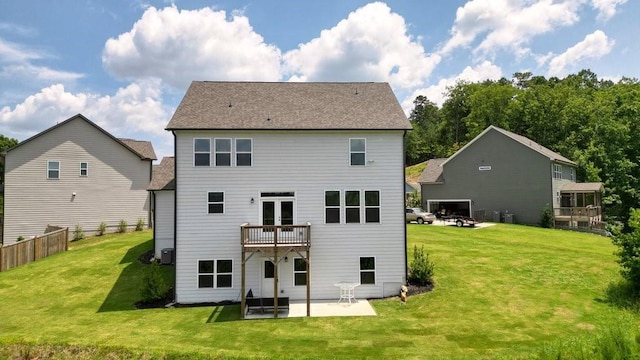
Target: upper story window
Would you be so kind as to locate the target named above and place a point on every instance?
(215, 202)
(222, 152)
(372, 206)
(244, 152)
(557, 171)
(357, 152)
(332, 207)
(201, 152)
(53, 169)
(352, 206)
(84, 169)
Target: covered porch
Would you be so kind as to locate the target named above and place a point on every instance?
(276, 243)
(581, 205)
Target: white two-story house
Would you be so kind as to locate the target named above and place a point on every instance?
(286, 189)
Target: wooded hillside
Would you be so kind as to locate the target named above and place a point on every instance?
(592, 121)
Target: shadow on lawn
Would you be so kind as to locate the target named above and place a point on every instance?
(620, 294)
(223, 313)
(126, 290)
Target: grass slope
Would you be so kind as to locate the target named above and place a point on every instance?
(413, 172)
(501, 291)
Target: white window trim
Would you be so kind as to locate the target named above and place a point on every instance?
(236, 152)
(364, 206)
(216, 152)
(86, 169)
(375, 271)
(358, 152)
(59, 169)
(360, 206)
(557, 169)
(214, 274)
(293, 266)
(224, 207)
(340, 206)
(201, 152)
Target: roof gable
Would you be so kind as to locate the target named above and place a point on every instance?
(163, 175)
(432, 173)
(289, 106)
(551, 155)
(142, 149)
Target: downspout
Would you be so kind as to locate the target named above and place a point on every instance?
(404, 181)
(175, 218)
(152, 194)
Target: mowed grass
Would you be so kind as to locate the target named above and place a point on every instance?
(503, 291)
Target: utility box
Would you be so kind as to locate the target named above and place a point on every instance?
(497, 216)
(166, 256)
(509, 218)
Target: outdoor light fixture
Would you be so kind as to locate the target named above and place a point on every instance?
(252, 201)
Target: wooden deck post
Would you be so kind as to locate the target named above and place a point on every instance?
(275, 272)
(243, 271)
(308, 275)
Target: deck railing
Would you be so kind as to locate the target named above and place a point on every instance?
(299, 235)
(588, 212)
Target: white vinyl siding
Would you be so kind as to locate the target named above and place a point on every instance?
(32, 201)
(164, 219)
(318, 165)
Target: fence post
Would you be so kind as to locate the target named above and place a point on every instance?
(66, 239)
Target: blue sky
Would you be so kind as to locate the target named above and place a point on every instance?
(126, 64)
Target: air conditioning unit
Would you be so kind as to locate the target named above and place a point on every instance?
(166, 256)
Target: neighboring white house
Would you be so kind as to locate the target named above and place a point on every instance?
(162, 188)
(317, 168)
(75, 173)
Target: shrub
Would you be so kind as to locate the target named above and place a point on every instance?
(421, 268)
(140, 224)
(20, 238)
(413, 200)
(547, 220)
(122, 226)
(629, 251)
(78, 234)
(154, 286)
(102, 228)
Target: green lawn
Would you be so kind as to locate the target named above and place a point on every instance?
(502, 291)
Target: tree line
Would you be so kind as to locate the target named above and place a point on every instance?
(594, 122)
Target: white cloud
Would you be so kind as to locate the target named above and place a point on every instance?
(508, 24)
(593, 46)
(28, 72)
(372, 44)
(178, 46)
(437, 93)
(10, 52)
(606, 8)
(135, 111)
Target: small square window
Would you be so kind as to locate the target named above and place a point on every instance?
(215, 202)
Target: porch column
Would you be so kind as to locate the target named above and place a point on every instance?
(243, 271)
(275, 272)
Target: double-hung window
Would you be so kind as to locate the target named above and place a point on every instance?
(53, 169)
(215, 202)
(215, 273)
(222, 152)
(557, 171)
(372, 206)
(367, 270)
(84, 169)
(201, 152)
(357, 152)
(332, 207)
(352, 206)
(244, 152)
(299, 272)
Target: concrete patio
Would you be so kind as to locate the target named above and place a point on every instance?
(319, 308)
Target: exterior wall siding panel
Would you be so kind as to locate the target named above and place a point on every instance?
(306, 163)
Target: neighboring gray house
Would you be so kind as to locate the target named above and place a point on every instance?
(75, 173)
(508, 177)
(288, 189)
(162, 188)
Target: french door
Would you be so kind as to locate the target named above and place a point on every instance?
(278, 211)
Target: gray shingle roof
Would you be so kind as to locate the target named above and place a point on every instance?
(163, 177)
(144, 148)
(432, 173)
(289, 105)
(583, 187)
(535, 146)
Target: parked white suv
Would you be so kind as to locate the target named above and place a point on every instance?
(420, 216)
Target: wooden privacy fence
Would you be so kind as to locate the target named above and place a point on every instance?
(26, 251)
